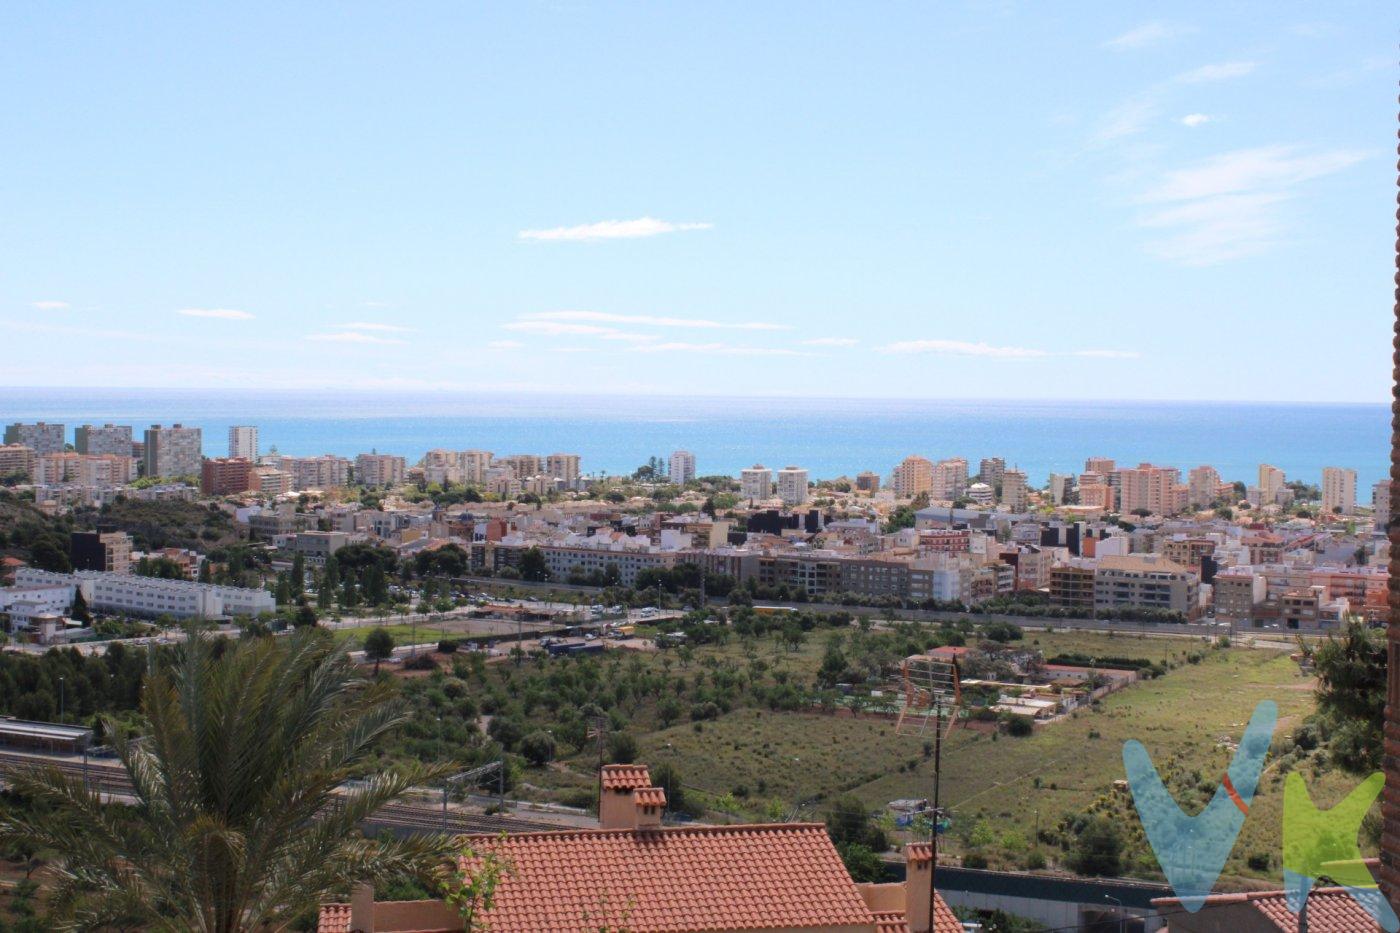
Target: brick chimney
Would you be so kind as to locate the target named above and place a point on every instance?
(918, 886)
(616, 807)
(362, 909)
(648, 804)
(1390, 802)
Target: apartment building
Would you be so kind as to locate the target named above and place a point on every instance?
(379, 470)
(42, 438)
(324, 472)
(105, 551)
(243, 442)
(113, 439)
(1105, 466)
(990, 471)
(1338, 491)
(1072, 586)
(316, 546)
(84, 470)
(270, 482)
(912, 477)
(17, 460)
(565, 468)
(1146, 581)
(1202, 486)
(523, 464)
(949, 479)
(563, 561)
(868, 482)
(1015, 494)
(756, 482)
(1380, 504)
(147, 596)
(681, 469)
(173, 451)
(1152, 489)
(1237, 592)
(1271, 484)
(223, 476)
(1061, 488)
(792, 485)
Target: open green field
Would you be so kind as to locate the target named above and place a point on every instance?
(403, 634)
(756, 763)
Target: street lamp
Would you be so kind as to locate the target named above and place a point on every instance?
(61, 698)
(1122, 919)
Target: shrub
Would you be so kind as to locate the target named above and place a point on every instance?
(1019, 726)
(448, 646)
(974, 860)
(1259, 861)
(537, 747)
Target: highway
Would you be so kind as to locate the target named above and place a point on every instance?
(109, 778)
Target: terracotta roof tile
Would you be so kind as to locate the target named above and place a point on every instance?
(944, 920)
(625, 777)
(1330, 910)
(335, 918)
(649, 797)
(892, 922)
(918, 852)
(675, 879)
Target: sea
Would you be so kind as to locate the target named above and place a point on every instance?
(830, 437)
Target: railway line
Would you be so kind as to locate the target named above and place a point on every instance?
(101, 775)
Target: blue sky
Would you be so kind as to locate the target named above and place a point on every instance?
(1127, 200)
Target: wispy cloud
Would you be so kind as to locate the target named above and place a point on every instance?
(723, 349)
(558, 328)
(963, 348)
(352, 337)
(1127, 119)
(1222, 71)
(613, 230)
(990, 351)
(831, 342)
(1195, 119)
(1147, 34)
(1250, 170)
(225, 314)
(369, 325)
(651, 320)
(1231, 206)
(51, 305)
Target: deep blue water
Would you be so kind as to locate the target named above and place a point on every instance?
(827, 436)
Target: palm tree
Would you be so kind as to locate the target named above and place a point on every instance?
(238, 820)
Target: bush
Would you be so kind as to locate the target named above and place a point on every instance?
(421, 662)
(1259, 861)
(537, 747)
(448, 646)
(974, 860)
(1019, 726)
(1035, 861)
(1098, 850)
(622, 748)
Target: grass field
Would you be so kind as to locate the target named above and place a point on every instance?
(761, 764)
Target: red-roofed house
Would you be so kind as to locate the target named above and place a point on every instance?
(1330, 910)
(635, 874)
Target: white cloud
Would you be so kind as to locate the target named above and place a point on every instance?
(651, 320)
(1243, 170)
(1232, 206)
(1127, 119)
(831, 342)
(1195, 119)
(385, 328)
(226, 314)
(52, 305)
(979, 349)
(1147, 34)
(962, 348)
(351, 337)
(1108, 354)
(723, 349)
(1221, 71)
(504, 345)
(558, 328)
(612, 230)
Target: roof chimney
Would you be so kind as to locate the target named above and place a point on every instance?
(616, 808)
(362, 909)
(918, 887)
(648, 802)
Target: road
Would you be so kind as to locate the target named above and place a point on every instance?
(111, 779)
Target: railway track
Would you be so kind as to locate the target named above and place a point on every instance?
(401, 816)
